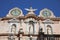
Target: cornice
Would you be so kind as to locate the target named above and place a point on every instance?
(31, 16)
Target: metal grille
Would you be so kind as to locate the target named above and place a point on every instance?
(48, 37)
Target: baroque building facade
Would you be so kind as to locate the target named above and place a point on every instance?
(17, 26)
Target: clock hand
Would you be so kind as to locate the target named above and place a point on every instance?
(15, 11)
(46, 14)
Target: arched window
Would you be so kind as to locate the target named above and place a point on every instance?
(31, 27)
(49, 29)
(13, 31)
(13, 28)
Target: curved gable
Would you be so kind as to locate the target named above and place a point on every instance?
(46, 13)
(15, 12)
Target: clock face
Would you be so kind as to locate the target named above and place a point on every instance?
(15, 12)
(46, 13)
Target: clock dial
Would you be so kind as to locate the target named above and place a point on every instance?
(15, 12)
(46, 13)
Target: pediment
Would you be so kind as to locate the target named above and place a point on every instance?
(48, 21)
(30, 19)
(14, 20)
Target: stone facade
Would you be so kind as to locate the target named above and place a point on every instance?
(17, 26)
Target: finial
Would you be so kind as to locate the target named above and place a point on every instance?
(31, 9)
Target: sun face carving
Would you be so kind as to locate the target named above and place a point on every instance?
(15, 12)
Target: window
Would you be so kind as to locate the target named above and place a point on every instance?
(34, 38)
(11, 38)
(31, 27)
(30, 37)
(49, 29)
(27, 38)
(13, 31)
(13, 28)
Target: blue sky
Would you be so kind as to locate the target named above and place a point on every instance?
(6, 5)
